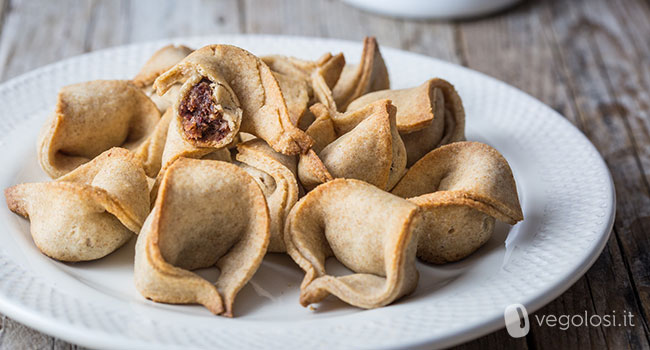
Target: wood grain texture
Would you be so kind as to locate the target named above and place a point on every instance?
(587, 59)
(533, 59)
(31, 27)
(605, 107)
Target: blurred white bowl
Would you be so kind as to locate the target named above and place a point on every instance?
(441, 9)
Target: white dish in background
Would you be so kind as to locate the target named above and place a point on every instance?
(432, 9)
(564, 186)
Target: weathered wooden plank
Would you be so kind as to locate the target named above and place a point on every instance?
(580, 34)
(282, 17)
(435, 39)
(120, 22)
(154, 19)
(343, 21)
(528, 59)
(16, 336)
(496, 340)
(513, 48)
(613, 292)
(633, 17)
(626, 67)
(605, 290)
(30, 29)
(624, 50)
(108, 24)
(4, 9)
(323, 18)
(625, 60)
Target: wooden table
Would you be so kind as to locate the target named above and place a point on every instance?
(588, 59)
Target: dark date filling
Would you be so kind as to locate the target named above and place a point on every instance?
(201, 119)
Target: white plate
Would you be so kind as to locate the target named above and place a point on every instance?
(565, 189)
(425, 9)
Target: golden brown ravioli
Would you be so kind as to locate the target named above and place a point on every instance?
(276, 175)
(160, 62)
(91, 118)
(207, 213)
(368, 230)
(356, 80)
(88, 213)
(305, 82)
(226, 88)
(461, 188)
(363, 144)
(428, 116)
